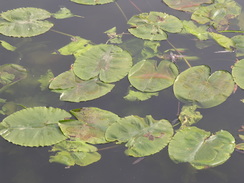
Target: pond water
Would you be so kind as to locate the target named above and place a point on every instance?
(30, 165)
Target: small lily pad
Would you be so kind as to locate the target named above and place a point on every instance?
(37, 126)
(141, 96)
(238, 73)
(74, 89)
(25, 22)
(92, 2)
(7, 46)
(143, 137)
(110, 63)
(146, 76)
(196, 86)
(154, 25)
(200, 148)
(222, 40)
(239, 45)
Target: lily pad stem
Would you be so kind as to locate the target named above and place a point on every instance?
(120, 9)
(59, 32)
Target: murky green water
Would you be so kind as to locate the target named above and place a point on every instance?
(30, 165)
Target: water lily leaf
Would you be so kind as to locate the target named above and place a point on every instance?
(200, 32)
(222, 40)
(153, 25)
(188, 115)
(186, 5)
(25, 22)
(92, 124)
(76, 47)
(74, 89)
(10, 74)
(239, 45)
(137, 95)
(143, 136)
(196, 86)
(45, 79)
(7, 46)
(217, 14)
(200, 148)
(110, 63)
(146, 76)
(74, 152)
(63, 13)
(37, 126)
(92, 2)
(240, 146)
(238, 73)
(113, 36)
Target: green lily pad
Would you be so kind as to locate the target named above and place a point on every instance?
(7, 46)
(143, 136)
(200, 148)
(186, 5)
(74, 89)
(37, 126)
(222, 40)
(217, 14)
(110, 63)
(153, 25)
(196, 86)
(137, 95)
(240, 146)
(25, 22)
(146, 76)
(92, 2)
(238, 73)
(92, 124)
(63, 13)
(72, 153)
(239, 45)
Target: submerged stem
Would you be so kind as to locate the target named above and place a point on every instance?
(62, 33)
(120, 9)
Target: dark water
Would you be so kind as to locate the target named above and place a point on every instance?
(30, 165)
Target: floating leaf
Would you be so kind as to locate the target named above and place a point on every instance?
(45, 79)
(240, 146)
(153, 25)
(37, 126)
(24, 22)
(137, 95)
(200, 148)
(143, 137)
(7, 45)
(92, 124)
(239, 45)
(199, 31)
(196, 86)
(188, 115)
(74, 89)
(217, 14)
(222, 40)
(113, 36)
(186, 5)
(74, 152)
(146, 76)
(238, 73)
(110, 63)
(92, 2)
(63, 13)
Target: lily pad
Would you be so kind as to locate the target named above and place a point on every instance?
(143, 136)
(200, 148)
(74, 89)
(63, 13)
(222, 40)
(92, 124)
(196, 86)
(186, 5)
(7, 46)
(37, 126)
(153, 25)
(92, 2)
(25, 22)
(239, 45)
(146, 76)
(141, 96)
(110, 63)
(238, 73)
(72, 153)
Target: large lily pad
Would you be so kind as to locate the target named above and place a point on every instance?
(74, 89)
(153, 25)
(92, 124)
(146, 76)
(238, 73)
(196, 86)
(186, 5)
(143, 137)
(92, 2)
(36, 126)
(25, 22)
(110, 63)
(200, 148)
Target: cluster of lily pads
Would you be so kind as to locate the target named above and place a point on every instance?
(96, 69)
